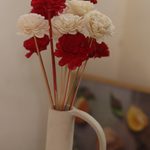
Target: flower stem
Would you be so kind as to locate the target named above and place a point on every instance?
(44, 73)
(91, 42)
(66, 89)
(71, 88)
(72, 101)
(53, 61)
(61, 89)
(63, 85)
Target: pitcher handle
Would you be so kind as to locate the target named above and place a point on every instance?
(95, 125)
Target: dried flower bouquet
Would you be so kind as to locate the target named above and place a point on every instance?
(79, 30)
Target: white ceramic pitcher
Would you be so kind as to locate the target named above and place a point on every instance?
(60, 129)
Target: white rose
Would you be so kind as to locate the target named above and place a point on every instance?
(98, 25)
(66, 24)
(33, 23)
(78, 7)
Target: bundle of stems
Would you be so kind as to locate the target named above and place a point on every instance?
(66, 96)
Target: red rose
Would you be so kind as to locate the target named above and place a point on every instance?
(30, 45)
(98, 50)
(73, 49)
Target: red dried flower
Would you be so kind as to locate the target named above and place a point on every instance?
(98, 50)
(54, 6)
(73, 49)
(37, 3)
(39, 10)
(30, 45)
(93, 1)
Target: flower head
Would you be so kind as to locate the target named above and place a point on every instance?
(93, 1)
(73, 50)
(98, 24)
(33, 23)
(37, 3)
(54, 6)
(66, 24)
(78, 7)
(98, 50)
(30, 45)
(39, 10)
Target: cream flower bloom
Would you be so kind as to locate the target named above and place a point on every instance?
(98, 25)
(78, 7)
(33, 23)
(66, 23)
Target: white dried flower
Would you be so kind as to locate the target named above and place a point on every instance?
(78, 7)
(98, 25)
(33, 23)
(66, 24)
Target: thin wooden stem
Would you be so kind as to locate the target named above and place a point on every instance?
(71, 88)
(91, 42)
(72, 101)
(61, 88)
(63, 85)
(53, 60)
(66, 89)
(44, 73)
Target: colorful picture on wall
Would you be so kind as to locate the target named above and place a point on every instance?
(122, 111)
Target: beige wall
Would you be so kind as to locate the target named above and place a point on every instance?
(23, 96)
(135, 45)
(108, 67)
